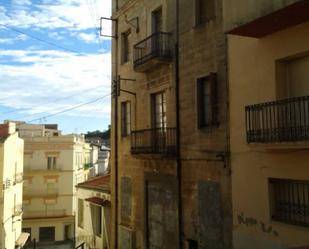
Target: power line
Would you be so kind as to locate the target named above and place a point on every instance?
(69, 109)
(56, 100)
(42, 40)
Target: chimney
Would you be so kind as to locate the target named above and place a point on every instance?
(7, 129)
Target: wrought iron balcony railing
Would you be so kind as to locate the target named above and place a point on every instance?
(154, 141)
(158, 45)
(279, 121)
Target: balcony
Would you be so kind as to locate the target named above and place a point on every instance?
(161, 141)
(57, 213)
(151, 51)
(279, 121)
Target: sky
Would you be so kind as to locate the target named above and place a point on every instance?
(53, 59)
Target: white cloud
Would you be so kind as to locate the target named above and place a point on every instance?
(70, 14)
(41, 77)
(88, 38)
(14, 39)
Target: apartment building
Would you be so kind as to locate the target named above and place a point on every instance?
(53, 165)
(11, 175)
(170, 161)
(93, 217)
(268, 48)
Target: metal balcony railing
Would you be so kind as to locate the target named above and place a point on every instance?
(290, 203)
(154, 141)
(158, 45)
(45, 214)
(279, 121)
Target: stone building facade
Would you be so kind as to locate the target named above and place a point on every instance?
(170, 169)
(268, 77)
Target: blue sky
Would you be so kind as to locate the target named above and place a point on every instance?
(39, 79)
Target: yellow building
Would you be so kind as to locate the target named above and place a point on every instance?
(11, 174)
(94, 212)
(53, 165)
(268, 48)
(170, 157)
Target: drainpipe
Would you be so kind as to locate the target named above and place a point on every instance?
(178, 133)
(116, 131)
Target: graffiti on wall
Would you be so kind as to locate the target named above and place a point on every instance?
(261, 225)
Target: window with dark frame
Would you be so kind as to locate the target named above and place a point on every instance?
(289, 201)
(158, 110)
(205, 10)
(51, 162)
(125, 118)
(207, 101)
(126, 49)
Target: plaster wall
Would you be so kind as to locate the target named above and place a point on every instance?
(252, 78)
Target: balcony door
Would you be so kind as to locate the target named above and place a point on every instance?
(158, 135)
(156, 27)
(293, 114)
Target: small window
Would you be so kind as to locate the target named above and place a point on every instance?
(126, 46)
(207, 101)
(51, 162)
(204, 11)
(80, 213)
(125, 118)
(289, 201)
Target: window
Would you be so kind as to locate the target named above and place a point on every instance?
(98, 220)
(47, 234)
(51, 190)
(207, 101)
(125, 118)
(158, 110)
(289, 201)
(51, 162)
(157, 22)
(204, 11)
(126, 46)
(80, 213)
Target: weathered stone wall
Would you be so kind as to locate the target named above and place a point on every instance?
(203, 151)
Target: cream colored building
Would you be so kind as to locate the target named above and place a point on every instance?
(11, 174)
(53, 165)
(268, 48)
(93, 217)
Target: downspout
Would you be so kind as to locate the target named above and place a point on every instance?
(178, 133)
(115, 92)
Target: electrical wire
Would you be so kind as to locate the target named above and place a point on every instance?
(52, 44)
(54, 101)
(69, 109)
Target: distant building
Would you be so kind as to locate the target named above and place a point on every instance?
(103, 160)
(53, 164)
(93, 213)
(11, 175)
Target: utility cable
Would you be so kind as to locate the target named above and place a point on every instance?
(56, 100)
(69, 109)
(42, 40)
